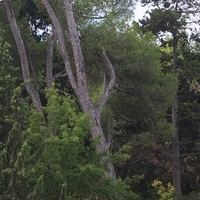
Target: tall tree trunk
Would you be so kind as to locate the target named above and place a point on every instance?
(175, 140)
(79, 84)
(23, 57)
(176, 152)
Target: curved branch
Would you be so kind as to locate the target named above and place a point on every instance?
(23, 57)
(59, 75)
(111, 84)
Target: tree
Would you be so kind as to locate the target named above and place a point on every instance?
(144, 94)
(173, 18)
(66, 164)
(79, 84)
(35, 164)
(23, 56)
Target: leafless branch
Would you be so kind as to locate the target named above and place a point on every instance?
(189, 154)
(23, 57)
(138, 158)
(59, 75)
(78, 55)
(124, 91)
(111, 84)
(190, 142)
(61, 43)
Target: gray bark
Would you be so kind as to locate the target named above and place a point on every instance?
(79, 84)
(23, 57)
(61, 44)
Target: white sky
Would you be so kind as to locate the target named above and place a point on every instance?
(139, 11)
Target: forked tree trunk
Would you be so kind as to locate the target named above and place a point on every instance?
(78, 81)
(33, 93)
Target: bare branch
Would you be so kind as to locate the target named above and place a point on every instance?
(111, 84)
(124, 91)
(190, 142)
(189, 154)
(59, 75)
(74, 37)
(79, 84)
(78, 57)
(23, 57)
(138, 158)
(61, 43)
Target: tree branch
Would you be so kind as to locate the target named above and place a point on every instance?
(78, 57)
(80, 85)
(190, 142)
(59, 75)
(23, 57)
(61, 43)
(189, 154)
(111, 84)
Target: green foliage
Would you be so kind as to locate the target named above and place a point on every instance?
(135, 58)
(164, 130)
(162, 20)
(193, 195)
(60, 140)
(61, 160)
(165, 193)
(53, 156)
(12, 166)
(13, 120)
(92, 11)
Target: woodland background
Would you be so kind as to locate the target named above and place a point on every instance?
(96, 106)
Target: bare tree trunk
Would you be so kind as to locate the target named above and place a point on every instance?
(23, 57)
(79, 84)
(176, 152)
(104, 145)
(175, 140)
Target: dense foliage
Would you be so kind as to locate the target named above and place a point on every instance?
(52, 154)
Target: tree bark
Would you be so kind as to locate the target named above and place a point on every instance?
(176, 152)
(79, 84)
(61, 44)
(23, 57)
(175, 140)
